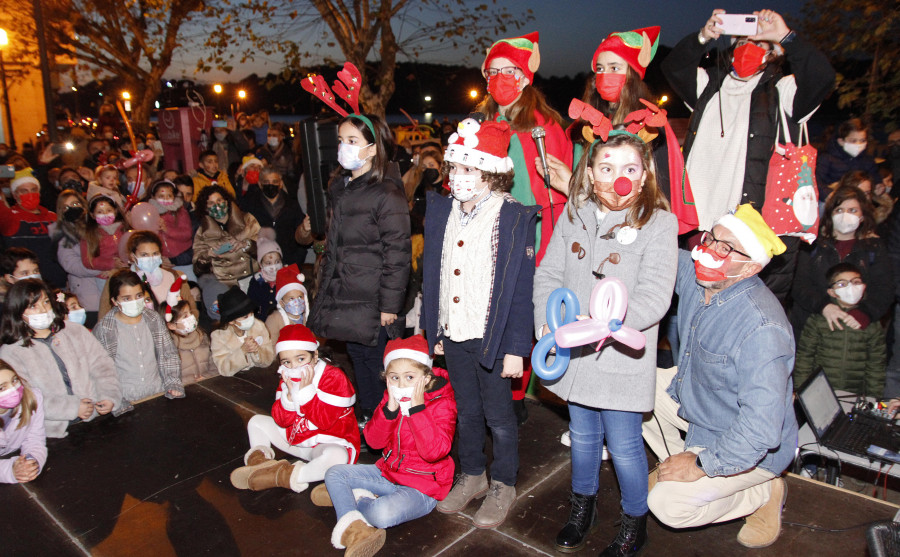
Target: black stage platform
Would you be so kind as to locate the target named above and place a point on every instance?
(155, 482)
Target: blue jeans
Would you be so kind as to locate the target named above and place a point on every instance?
(395, 504)
(622, 431)
(483, 396)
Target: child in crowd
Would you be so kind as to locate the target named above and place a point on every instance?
(292, 300)
(853, 358)
(136, 338)
(144, 250)
(242, 342)
(17, 264)
(191, 342)
(414, 427)
(184, 185)
(208, 174)
(131, 187)
(479, 270)
(22, 422)
(75, 375)
(262, 286)
(107, 177)
(105, 226)
(76, 313)
(847, 152)
(312, 419)
(175, 229)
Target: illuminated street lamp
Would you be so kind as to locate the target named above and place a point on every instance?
(217, 88)
(428, 98)
(242, 94)
(126, 96)
(662, 100)
(473, 93)
(3, 42)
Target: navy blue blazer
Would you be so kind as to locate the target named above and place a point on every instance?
(509, 329)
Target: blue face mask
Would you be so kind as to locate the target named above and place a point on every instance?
(77, 316)
(297, 306)
(149, 264)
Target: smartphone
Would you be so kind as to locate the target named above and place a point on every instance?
(740, 25)
(223, 248)
(7, 171)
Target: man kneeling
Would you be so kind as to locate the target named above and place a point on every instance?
(731, 391)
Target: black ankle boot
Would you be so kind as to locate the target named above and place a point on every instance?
(631, 539)
(582, 519)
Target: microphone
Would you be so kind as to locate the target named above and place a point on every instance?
(538, 133)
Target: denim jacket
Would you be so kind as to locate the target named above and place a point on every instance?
(734, 382)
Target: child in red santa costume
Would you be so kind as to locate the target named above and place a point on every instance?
(312, 419)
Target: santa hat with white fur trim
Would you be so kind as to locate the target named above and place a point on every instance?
(414, 348)
(756, 237)
(483, 146)
(173, 296)
(287, 279)
(296, 337)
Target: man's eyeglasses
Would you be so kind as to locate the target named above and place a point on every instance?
(721, 248)
(508, 70)
(845, 283)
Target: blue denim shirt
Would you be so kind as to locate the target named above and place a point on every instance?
(734, 382)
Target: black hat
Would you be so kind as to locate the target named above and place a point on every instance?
(234, 304)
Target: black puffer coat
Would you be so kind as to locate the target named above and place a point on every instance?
(367, 258)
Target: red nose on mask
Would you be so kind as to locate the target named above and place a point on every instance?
(622, 185)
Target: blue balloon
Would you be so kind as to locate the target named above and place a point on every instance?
(558, 298)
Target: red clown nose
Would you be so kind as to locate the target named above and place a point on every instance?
(622, 185)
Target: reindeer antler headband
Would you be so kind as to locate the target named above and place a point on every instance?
(346, 87)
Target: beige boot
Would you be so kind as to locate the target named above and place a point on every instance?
(274, 475)
(465, 488)
(500, 499)
(354, 534)
(320, 497)
(255, 459)
(762, 528)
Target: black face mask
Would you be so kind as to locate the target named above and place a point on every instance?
(431, 176)
(73, 185)
(72, 214)
(271, 190)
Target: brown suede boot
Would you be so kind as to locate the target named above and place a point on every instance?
(761, 529)
(354, 534)
(256, 457)
(320, 497)
(277, 475)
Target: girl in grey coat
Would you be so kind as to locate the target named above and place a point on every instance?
(634, 238)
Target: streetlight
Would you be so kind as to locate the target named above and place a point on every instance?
(428, 98)
(241, 96)
(662, 100)
(3, 42)
(126, 96)
(473, 93)
(217, 88)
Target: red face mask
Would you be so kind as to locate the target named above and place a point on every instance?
(252, 176)
(610, 85)
(504, 89)
(30, 201)
(748, 58)
(710, 267)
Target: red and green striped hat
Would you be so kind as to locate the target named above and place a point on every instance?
(522, 51)
(637, 47)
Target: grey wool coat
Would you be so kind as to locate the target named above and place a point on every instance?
(92, 374)
(616, 378)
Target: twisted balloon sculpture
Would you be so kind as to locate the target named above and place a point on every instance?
(558, 298)
(609, 301)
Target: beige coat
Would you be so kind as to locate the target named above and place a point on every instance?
(240, 232)
(196, 359)
(227, 353)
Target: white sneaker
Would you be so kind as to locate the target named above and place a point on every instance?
(566, 440)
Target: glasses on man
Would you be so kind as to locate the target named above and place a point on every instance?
(507, 70)
(720, 247)
(845, 283)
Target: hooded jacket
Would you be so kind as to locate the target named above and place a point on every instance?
(416, 448)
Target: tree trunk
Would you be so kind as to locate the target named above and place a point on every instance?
(142, 105)
(873, 79)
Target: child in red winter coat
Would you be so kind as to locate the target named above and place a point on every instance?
(312, 419)
(414, 425)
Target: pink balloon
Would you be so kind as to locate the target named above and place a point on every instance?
(123, 245)
(145, 216)
(609, 302)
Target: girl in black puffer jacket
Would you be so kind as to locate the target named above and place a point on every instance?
(367, 252)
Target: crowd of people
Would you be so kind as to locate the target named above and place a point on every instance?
(128, 281)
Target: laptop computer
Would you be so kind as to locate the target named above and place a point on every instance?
(854, 433)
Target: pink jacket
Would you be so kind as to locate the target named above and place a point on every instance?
(30, 440)
(105, 260)
(178, 236)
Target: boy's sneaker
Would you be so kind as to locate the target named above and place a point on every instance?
(496, 505)
(465, 488)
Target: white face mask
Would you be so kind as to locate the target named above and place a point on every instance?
(246, 324)
(348, 156)
(78, 316)
(845, 223)
(462, 186)
(296, 374)
(132, 308)
(850, 294)
(399, 394)
(854, 149)
(188, 324)
(41, 321)
(269, 272)
(36, 276)
(274, 142)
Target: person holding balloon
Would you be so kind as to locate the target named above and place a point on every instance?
(616, 224)
(173, 222)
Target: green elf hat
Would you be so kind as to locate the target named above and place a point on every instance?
(523, 51)
(637, 47)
